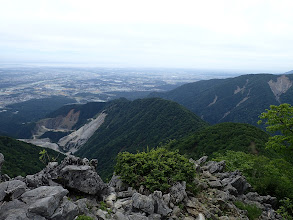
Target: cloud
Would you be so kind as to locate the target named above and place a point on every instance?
(187, 33)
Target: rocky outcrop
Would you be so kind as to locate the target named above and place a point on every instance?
(74, 173)
(59, 123)
(280, 87)
(76, 139)
(55, 194)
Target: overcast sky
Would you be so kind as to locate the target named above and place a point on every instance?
(254, 35)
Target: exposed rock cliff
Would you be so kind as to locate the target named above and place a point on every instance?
(54, 193)
(281, 86)
(73, 141)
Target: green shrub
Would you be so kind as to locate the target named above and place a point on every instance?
(252, 211)
(286, 209)
(267, 176)
(157, 169)
(84, 217)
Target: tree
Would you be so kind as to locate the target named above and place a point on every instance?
(279, 121)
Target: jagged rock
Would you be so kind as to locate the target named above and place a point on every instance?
(160, 206)
(126, 194)
(120, 216)
(215, 184)
(177, 192)
(117, 183)
(14, 207)
(34, 180)
(85, 204)
(10, 190)
(75, 173)
(137, 216)
(155, 217)
(231, 190)
(240, 184)
(111, 199)
(143, 203)
(254, 196)
(78, 174)
(5, 177)
(21, 214)
(102, 214)
(44, 200)
(124, 205)
(176, 211)
(215, 167)
(66, 211)
(82, 178)
(167, 198)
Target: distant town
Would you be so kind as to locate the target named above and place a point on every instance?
(93, 84)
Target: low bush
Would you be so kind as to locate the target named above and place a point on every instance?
(84, 217)
(252, 211)
(267, 176)
(157, 169)
(286, 209)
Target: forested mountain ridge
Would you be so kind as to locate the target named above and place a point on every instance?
(22, 158)
(17, 120)
(240, 99)
(222, 137)
(135, 125)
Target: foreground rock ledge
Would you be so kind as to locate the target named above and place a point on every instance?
(72, 188)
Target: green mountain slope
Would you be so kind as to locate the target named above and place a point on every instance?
(15, 118)
(132, 126)
(222, 137)
(22, 158)
(239, 99)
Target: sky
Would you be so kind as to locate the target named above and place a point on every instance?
(246, 35)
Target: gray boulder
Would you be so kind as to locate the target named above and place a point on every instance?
(66, 211)
(236, 181)
(125, 194)
(178, 193)
(161, 207)
(82, 178)
(215, 167)
(240, 184)
(15, 207)
(10, 190)
(44, 200)
(143, 203)
(74, 173)
(137, 216)
(201, 160)
(117, 183)
(78, 174)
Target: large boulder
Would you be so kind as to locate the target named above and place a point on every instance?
(178, 193)
(143, 203)
(117, 184)
(44, 200)
(236, 181)
(73, 173)
(161, 207)
(10, 190)
(215, 167)
(82, 178)
(66, 211)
